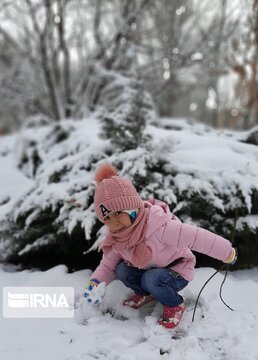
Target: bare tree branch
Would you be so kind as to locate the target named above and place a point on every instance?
(64, 49)
(96, 29)
(129, 17)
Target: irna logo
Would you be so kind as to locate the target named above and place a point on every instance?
(38, 302)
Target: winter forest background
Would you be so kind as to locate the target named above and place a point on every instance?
(165, 90)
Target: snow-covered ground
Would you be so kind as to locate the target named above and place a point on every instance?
(217, 333)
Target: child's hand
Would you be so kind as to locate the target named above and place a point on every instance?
(232, 258)
(95, 291)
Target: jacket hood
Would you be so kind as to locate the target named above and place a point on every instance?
(159, 215)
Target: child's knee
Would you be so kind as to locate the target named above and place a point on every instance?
(147, 280)
(121, 271)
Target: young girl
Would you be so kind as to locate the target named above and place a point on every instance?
(147, 247)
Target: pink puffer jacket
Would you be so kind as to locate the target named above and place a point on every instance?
(169, 242)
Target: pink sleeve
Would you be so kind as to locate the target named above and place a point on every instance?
(106, 269)
(197, 239)
(211, 244)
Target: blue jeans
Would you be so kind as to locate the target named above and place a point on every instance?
(162, 283)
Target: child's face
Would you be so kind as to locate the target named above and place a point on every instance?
(117, 221)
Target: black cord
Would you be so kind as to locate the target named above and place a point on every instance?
(232, 240)
(225, 276)
(196, 302)
(220, 290)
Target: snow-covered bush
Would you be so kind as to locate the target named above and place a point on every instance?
(60, 193)
(54, 217)
(122, 104)
(126, 119)
(251, 137)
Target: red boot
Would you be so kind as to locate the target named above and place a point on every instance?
(172, 316)
(137, 301)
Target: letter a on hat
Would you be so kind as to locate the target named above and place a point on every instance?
(104, 210)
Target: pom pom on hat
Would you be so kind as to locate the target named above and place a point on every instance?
(106, 171)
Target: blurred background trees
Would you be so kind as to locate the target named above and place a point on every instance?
(196, 58)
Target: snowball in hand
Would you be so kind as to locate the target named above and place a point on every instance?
(95, 294)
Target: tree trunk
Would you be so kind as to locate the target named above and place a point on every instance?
(255, 61)
(66, 67)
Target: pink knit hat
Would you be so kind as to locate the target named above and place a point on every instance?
(113, 192)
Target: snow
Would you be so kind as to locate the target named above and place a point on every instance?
(127, 334)
(208, 161)
(13, 182)
(251, 221)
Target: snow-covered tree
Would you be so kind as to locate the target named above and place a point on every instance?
(124, 122)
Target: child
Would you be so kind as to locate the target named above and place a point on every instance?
(147, 247)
